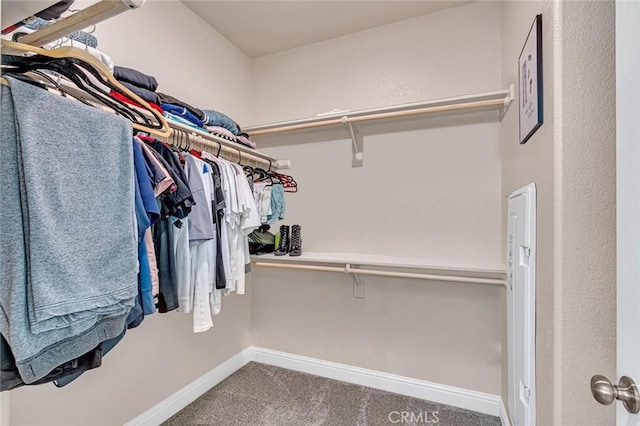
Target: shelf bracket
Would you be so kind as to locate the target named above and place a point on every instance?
(356, 144)
(508, 100)
(358, 282)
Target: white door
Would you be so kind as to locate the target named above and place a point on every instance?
(628, 218)
(628, 194)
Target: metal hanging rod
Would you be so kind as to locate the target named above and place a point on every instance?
(499, 99)
(227, 149)
(91, 15)
(347, 269)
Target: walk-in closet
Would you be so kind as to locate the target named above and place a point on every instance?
(306, 213)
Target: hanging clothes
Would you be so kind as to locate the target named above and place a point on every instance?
(131, 227)
(64, 318)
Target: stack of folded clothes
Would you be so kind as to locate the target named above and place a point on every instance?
(177, 110)
(139, 83)
(222, 125)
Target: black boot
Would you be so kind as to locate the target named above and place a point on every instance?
(283, 247)
(296, 241)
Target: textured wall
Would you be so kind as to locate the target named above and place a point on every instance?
(414, 60)
(532, 162)
(585, 212)
(428, 189)
(571, 159)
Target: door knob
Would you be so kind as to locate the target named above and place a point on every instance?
(626, 392)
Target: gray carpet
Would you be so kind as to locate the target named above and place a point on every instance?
(264, 395)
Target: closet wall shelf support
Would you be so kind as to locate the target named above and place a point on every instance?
(508, 100)
(357, 145)
(435, 273)
(91, 15)
(359, 288)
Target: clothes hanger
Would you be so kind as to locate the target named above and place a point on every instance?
(85, 77)
(80, 54)
(60, 88)
(76, 76)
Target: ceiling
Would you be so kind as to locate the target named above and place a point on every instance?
(262, 27)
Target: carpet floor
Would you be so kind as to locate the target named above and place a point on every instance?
(263, 395)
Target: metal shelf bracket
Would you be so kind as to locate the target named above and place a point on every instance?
(357, 145)
(508, 100)
(358, 282)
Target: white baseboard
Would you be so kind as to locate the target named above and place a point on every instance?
(443, 394)
(504, 414)
(185, 396)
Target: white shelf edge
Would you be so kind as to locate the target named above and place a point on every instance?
(505, 94)
(473, 270)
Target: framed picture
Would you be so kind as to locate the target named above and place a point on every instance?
(530, 82)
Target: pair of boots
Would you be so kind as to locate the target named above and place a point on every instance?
(289, 243)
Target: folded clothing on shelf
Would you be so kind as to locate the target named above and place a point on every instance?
(136, 78)
(181, 112)
(180, 120)
(215, 118)
(145, 94)
(222, 132)
(243, 138)
(168, 99)
(129, 101)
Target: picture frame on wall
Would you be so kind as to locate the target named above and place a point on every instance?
(530, 82)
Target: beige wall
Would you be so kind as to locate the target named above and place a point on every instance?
(532, 162)
(428, 189)
(571, 159)
(414, 60)
(585, 213)
(163, 354)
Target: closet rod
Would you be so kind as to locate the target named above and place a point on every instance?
(500, 99)
(349, 270)
(91, 15)
(230, 150)
(346, 119)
